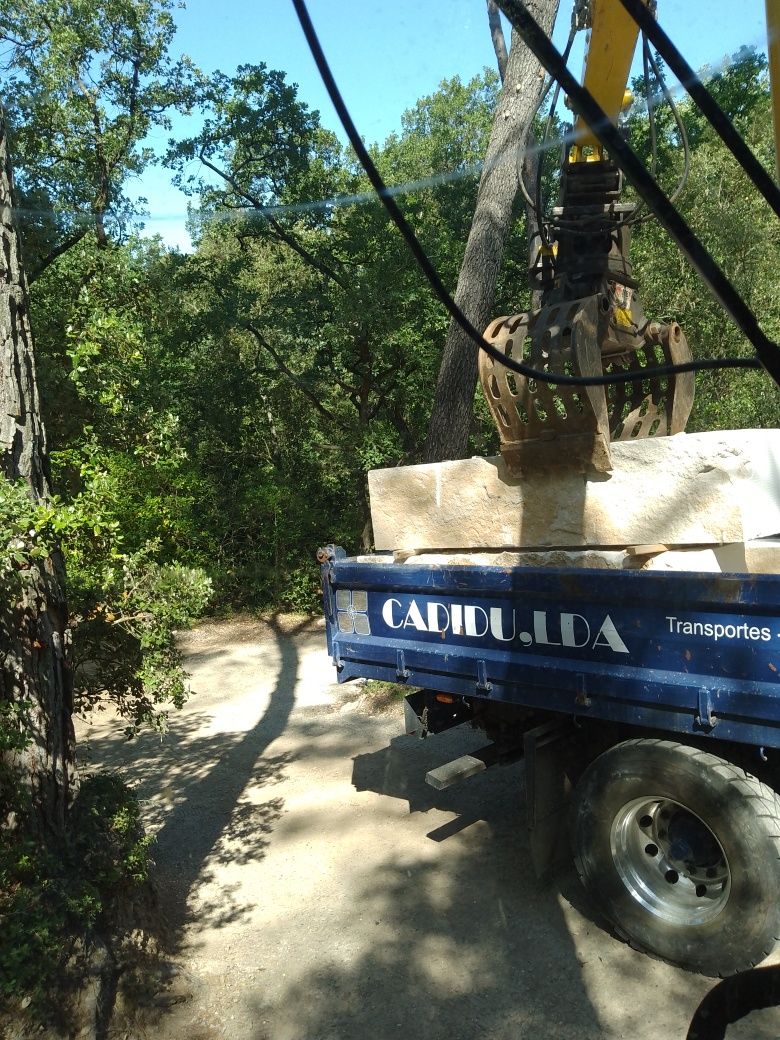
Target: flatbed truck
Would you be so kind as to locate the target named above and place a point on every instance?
(646, 706)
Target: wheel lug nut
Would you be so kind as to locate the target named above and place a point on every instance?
(672, 877)
(651, 850)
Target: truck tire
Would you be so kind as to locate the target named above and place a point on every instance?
(680, 850)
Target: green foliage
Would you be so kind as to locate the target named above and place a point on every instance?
(25, 531)
(124, 638)
(106, 834)
(125, 606)
(386, 692)
(221, 409)
(318, 337)
(14, 796)
(87, 82)
(742, 235)
(51, 899)
(259, 145)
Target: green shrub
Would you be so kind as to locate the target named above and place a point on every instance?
(49, 901)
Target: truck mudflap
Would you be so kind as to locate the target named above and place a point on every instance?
(691, 653)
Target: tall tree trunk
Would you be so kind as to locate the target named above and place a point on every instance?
(35, 685)
(531, 159)
(453, 402)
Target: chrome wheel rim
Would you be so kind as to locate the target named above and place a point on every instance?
(670, 861)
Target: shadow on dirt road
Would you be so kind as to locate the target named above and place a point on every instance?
(317, 889)
(463, 940)
(193, 783)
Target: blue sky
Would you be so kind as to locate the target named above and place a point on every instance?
(386, 54)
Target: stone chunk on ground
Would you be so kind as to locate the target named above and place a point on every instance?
(701, 489)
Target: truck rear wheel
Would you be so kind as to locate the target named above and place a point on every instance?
(680, 850)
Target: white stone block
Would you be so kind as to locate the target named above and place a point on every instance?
(597, 559)
(698, 560)
(692, 489)
(761, 556)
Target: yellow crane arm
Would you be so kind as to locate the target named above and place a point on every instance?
(611, 46)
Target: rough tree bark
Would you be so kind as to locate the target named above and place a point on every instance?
(453, 402)
(35, 686)
(530, 160)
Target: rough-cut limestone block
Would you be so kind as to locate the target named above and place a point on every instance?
(700, 560)
(761, 556)
(596, 559)
(691, 489)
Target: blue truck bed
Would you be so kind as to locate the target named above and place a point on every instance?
(686, 652)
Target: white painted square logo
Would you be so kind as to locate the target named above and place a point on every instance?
(352, 607)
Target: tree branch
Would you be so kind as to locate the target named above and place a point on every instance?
(497, 33)
(319, 406)
(63, 247)
(276, 227)
(99, 204)
(132, 107)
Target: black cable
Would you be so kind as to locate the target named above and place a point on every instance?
(543, 231)
(536, 202)
(649, 65)
(706, 102)
(650, 106)
(432, 274)
(620, 150)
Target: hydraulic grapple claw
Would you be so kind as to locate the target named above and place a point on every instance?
(549, 425)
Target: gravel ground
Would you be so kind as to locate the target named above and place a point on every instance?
(316, 889)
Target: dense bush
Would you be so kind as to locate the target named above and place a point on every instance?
(51, 901)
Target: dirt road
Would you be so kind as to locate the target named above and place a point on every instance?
(319, 890)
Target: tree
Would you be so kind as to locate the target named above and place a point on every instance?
(35, 686)
(261, 149)
(71, 854)
(737, 227)
(451, 416)
(322, 308)
(87, 82)
(499, 40)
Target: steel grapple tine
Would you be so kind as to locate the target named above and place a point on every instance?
(544, 425)
(547, 425)
(651, 407)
